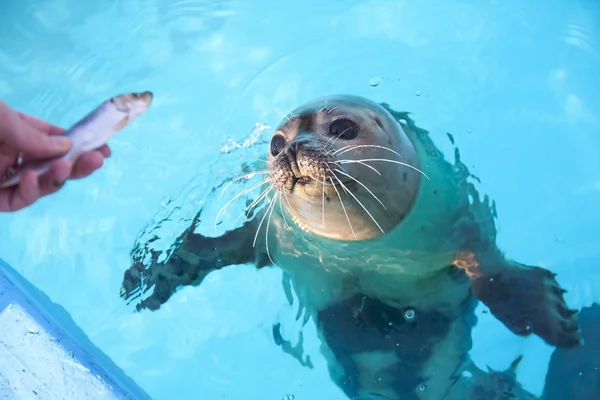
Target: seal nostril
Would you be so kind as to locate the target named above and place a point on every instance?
(277, 145)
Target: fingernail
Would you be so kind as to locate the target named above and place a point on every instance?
(61, 142)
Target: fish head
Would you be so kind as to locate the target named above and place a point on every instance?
(133, 104)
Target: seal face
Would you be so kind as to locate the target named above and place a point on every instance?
(345, 168)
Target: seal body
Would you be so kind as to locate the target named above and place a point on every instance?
(388, 248)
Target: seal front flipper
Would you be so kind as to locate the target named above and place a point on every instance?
(526, 299)
(194, 257)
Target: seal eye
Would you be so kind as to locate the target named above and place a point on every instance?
(277, 144)
(344, 129)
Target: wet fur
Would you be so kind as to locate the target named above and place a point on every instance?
(437, 263)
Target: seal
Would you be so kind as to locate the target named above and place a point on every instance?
(388, 247)
(574, 373)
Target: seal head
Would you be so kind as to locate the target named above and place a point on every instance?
(344, 168)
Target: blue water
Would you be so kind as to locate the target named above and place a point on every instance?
(515, 82)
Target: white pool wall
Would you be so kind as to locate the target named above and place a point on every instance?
(45, 355)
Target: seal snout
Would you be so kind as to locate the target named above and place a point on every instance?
(303, 161)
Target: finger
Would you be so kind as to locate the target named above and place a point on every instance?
(105, 150)
(34, 143)
(87, 163)
(21, 196)
(25, 137)
(7, 159)
(55, 178)
(41, 125)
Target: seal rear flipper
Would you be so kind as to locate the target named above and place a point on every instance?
(194, 257)
(526, 299)
(493, 385)
(574, 374)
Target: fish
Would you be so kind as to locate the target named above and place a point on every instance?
(89, 133)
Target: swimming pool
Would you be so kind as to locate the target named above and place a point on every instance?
(515, 83)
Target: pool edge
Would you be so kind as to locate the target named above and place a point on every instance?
(66, 338)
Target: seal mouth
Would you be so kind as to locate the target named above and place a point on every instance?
(286, 173)
(303, 181)
(299, 175)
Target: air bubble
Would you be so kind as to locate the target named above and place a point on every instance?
(375, 81)
(418, 93)
(288, 397)
(422, 387)
(409, 314)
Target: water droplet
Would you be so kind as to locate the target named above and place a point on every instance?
(422, 387)
(409, 314)
(375, 81)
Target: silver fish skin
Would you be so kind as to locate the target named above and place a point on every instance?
(91, 132)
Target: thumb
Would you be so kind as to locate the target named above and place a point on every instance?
(29, 140)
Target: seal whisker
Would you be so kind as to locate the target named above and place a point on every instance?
(323, 201)
(363, 185)
(287, 199)
(259, 198)
(254, 203)
(360, 146)
(235, 197)
(312, 197)
(282, 213)
(260, 224)
(248, 175)
(277, 195)
(335, 139)
(384, 160)
(280, 113)
(355, 198)
(368, 166)
(343, 208)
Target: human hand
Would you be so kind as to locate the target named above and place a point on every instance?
(35, 140)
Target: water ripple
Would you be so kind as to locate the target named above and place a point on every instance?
(579, 36)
